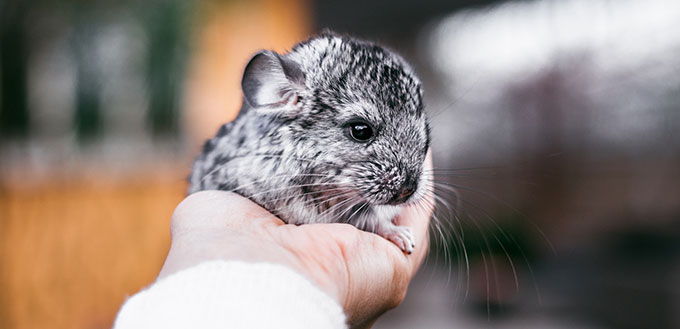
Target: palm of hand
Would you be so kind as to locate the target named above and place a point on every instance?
(365, 273)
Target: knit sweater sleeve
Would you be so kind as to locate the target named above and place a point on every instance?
(231, 294)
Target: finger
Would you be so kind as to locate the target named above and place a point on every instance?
(219, 225)
(218, 211)
(417, 217)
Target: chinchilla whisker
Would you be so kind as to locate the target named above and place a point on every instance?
(348, 205)
(515, 243)
(458, 239)
(277, 176)
(456, 249)
(466, 168)
(486, 274)
(236, 189)
(444, 240)
(313, 200)
(218, 168)
(348, 208)
(474, 85)
(445, 186)
(292, 187)
(474, 221)
(364, 220)
(461, 171)
(453, 213)
(465, 176)
(262, 179)
(333, 207)
(424, 205)
(321, 192)
(506, 236)
(349, 219)
(320, 197)
(333, 197)
(270, 156)
(510, 261)
(506, 204)
(462, 259)
(210, 173)
(492, 176)
(512, 208)
(328, 198)
(493, 263)
(348, 201)
(444, 202)
(467, 268)
(336, 206)
(437, 200)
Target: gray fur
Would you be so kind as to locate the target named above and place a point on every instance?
(289, 149)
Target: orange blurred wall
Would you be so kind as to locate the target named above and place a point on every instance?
(73, 246)
(232, 33)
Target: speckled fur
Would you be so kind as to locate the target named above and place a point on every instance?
(295, 158)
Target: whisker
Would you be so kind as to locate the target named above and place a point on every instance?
(493, 263)
(266, 178)
(348, 209)
(467, 168)
(275, 176)
(459, 240)
(336, 206)
(349, 219)
(506, 204)
(510, 238)
(241, 156)
(321, 196)
(486, 273)
(291, 187)
(309, 202)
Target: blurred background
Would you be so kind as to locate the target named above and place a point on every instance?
(556, 126)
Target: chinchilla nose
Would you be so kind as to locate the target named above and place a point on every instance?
(404, 193)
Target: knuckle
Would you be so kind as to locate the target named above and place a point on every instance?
(200, 207)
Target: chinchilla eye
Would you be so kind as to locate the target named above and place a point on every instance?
(360, 131)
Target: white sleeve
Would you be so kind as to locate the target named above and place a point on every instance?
(221, 294)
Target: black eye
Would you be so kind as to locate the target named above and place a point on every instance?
(360, 131)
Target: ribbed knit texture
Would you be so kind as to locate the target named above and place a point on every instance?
(221, 294)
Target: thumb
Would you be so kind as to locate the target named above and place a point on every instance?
(218, 211)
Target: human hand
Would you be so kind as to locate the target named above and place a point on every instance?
(365, 273)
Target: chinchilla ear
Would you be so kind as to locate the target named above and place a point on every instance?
(272, 81)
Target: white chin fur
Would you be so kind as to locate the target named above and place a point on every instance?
(387, 212)
(379, 216)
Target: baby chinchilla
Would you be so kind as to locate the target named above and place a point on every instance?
(332, 132)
